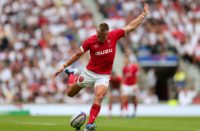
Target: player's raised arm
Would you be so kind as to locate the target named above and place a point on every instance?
(136, 22)
(74, 58)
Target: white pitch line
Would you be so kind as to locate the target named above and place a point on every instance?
(35, 123)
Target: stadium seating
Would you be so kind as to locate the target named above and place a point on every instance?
(36, 36)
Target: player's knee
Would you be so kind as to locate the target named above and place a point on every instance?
(70, 94)
(99, 97)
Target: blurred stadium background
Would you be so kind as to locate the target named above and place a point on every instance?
(36, 36)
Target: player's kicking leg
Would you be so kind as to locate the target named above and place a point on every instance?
(72, 88)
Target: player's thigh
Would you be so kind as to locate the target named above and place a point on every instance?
(101, 84)
(85, 80)
(74, 89)
(102, 80)
(100, 91)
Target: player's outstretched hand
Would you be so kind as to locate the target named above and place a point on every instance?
(59, 70)
(146, 9)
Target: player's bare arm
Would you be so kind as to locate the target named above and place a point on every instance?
(74, 58)
(136, 22)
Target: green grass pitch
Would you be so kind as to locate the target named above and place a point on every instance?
(61, 123)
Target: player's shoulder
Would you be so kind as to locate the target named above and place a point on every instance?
(135, 66)
(91, 39)
(116, 30)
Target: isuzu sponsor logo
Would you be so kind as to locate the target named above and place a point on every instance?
(103, 52)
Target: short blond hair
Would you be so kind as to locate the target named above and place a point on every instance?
(103, 27)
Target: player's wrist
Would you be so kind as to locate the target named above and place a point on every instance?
(65, 65)
(144, 14)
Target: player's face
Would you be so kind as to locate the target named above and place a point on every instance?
(101, 36)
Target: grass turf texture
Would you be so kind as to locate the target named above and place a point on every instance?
(61, 123)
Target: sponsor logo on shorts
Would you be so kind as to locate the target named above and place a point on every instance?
(81, 78)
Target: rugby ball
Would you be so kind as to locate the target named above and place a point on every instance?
(78, 119)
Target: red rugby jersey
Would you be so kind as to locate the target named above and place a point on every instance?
(102, 54)
(130, 74)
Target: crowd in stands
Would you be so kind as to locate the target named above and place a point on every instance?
(172, 29)
(36, 36)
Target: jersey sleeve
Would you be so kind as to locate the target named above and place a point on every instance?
(85, 46)
(136, 67)
(118, 33)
